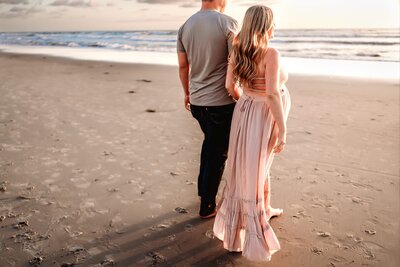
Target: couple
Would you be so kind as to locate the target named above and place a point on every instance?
(242, 104)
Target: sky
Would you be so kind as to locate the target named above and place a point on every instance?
(81, 15)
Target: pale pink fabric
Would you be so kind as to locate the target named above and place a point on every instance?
(242, 220)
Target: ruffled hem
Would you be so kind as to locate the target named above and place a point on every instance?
(243, 227)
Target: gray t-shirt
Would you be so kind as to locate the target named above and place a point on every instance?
(206, 38)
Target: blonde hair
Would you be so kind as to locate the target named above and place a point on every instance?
(251, 43)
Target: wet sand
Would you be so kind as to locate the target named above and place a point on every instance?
(99, 161)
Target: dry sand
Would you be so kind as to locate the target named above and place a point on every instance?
(96, 157)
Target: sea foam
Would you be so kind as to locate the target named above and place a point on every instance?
(306, 66)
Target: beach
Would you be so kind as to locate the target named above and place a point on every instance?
(99, 164)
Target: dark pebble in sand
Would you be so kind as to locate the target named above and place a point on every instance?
(144, 80)
(181, 210)
(67, 264)
(150, 110)
(36, 261)
(173, 173)
(2, 218)
(3, 188)
(106, 73)
(131, 92)
(113, 190)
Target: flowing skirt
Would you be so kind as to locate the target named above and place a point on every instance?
(242, 220)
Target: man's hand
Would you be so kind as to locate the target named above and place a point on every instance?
(187, 102)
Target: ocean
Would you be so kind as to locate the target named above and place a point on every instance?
(355, 44)
(371, 53)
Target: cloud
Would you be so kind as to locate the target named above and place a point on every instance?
(14, 2)
(72, 3)
(189, 5)
(17, 9)
(17, 12)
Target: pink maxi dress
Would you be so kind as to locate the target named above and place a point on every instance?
(242, 220)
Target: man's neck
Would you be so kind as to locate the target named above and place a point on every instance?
(210, 6)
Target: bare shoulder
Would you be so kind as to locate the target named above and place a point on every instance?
(271, 58)
(272, 54)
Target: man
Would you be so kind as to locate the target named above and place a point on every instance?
(203, 45)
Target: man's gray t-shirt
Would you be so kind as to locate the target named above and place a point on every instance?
(206, 38)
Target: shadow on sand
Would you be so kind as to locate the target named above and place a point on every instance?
(172, 239)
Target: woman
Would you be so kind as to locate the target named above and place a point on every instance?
(258, 131)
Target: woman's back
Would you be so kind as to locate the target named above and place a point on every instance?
(258, 85)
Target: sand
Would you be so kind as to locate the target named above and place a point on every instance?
(99, 161)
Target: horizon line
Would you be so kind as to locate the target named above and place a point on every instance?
(171, 30)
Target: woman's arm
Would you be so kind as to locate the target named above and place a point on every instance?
(230, 82)
(274, 99)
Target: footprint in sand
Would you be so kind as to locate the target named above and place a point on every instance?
(338, 260)
(317, 251)
(80, 182)
(155, 206)
(323, 234)
(301, 213)
(188, 227)
(370, 232)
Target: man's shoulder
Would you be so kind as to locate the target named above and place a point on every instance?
(228, 22)
(228, 18)
(188, 20)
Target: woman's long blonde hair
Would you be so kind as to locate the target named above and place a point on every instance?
(250, 45)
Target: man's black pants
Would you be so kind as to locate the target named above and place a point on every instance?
(215, 122)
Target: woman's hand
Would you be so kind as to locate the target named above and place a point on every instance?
(280, 145)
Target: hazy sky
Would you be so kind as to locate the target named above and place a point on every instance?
(75, 15)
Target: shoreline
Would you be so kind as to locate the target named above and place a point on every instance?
(383, 70)
(97, 157)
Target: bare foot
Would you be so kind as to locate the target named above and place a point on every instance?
(275, 212)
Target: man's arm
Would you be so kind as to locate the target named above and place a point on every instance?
(184, 68)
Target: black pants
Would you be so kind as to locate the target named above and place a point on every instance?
(215, 122)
